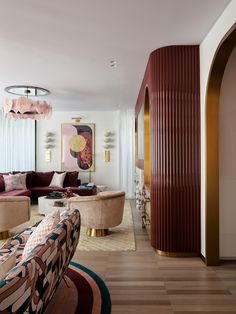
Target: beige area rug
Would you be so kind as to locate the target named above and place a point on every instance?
(121, 238)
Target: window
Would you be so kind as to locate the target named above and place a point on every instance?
(17, 142)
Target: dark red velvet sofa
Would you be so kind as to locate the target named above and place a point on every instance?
(37, 184)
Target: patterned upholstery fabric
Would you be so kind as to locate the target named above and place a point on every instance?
(29, 286)
(7, 262)
(42, 230)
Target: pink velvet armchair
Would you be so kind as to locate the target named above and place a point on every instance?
(14, 210)
(99, 212)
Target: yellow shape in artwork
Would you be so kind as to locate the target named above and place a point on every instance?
(77, 143)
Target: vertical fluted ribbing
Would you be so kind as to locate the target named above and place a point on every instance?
(172, 78)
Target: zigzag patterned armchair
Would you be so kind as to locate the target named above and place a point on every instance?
(30, 285)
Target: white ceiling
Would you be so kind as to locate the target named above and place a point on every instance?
(66, 45)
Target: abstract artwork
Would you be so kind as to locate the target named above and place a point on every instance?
(77, 147)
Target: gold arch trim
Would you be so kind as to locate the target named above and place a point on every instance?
(219, 62)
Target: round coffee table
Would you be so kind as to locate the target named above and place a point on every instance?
(47, 205)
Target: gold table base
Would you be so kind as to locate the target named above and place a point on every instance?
(91, 232)
(4, 235)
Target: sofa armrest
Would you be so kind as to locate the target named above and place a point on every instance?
(35, 279)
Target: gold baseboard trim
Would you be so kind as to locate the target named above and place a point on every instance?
(4, 235)
(91, 232)
(177, 254)
(203, 258)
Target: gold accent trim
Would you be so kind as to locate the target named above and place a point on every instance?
(91, 232)
(177, 254)
(216, 73)
(147, 140)
(4, 235)
(106, 155)
(77, 119)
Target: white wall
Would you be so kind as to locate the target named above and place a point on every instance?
(227, 160)
(207, 50)
(105, 172)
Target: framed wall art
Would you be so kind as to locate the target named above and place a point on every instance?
(77, 147)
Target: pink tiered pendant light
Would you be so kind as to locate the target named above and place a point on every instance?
(25, 108)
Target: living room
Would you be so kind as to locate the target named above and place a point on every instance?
(117, 175)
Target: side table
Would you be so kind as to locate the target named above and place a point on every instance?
(47, 205)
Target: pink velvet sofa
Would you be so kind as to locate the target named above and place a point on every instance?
(37, 184)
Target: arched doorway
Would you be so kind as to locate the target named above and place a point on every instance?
(220, 60)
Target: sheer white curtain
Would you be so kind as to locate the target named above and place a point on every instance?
(17, 144)
(127, 142)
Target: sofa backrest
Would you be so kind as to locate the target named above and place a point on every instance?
(35, 178)
(33, 282)
(42, 178)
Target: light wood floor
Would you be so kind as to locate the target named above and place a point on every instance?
(143, 282)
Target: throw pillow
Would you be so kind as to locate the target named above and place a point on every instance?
(7, 262)
(22, 177)
(12, 182)
(71, 179)
(42, 230)
(58, 179)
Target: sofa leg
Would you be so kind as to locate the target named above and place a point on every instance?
(91, 232)
(4, 235)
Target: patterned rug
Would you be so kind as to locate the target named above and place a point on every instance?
(82, 291)
(121, 238)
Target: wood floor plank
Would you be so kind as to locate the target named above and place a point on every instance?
(142, 282)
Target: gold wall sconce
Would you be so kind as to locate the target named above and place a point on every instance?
(106, 155)
(77, 119)
(108, 144)
(49, 144)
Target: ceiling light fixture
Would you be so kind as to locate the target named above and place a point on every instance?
(113, 63)
(25, 108)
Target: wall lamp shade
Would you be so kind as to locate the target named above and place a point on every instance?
(25, 108)
(49, 140)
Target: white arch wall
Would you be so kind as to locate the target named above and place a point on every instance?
(207, 51)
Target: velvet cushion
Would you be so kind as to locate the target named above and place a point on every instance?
(71, 179)
(42, 178)
(12, 182)
(29, 177)
(16, 193)
(58, 179)
(22, 177)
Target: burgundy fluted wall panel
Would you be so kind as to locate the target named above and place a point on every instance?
(172, 80)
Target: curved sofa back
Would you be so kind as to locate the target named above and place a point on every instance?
(30, 285)
(101, 211)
